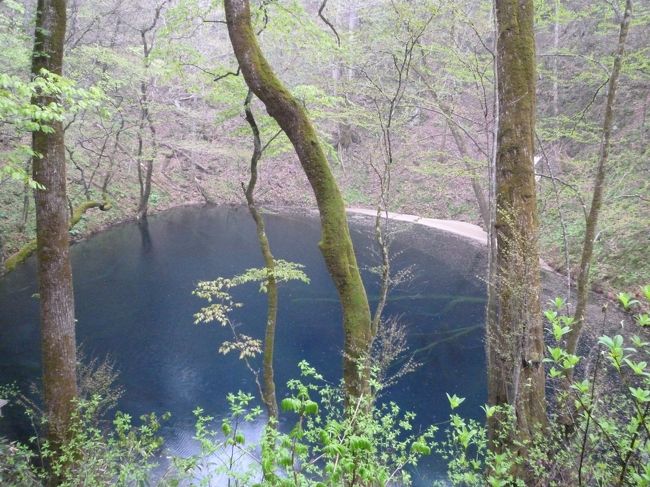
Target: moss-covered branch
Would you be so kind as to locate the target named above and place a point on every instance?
(30, 247)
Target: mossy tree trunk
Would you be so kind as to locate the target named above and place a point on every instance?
(30, 247)
(599, 185)
(515, 340)
(335, 244)
(58, 340)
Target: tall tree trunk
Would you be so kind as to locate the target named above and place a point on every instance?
(58, 341)
(268, 383)
(599, 185)
(335, 244)
(143, 156)
(516, 343)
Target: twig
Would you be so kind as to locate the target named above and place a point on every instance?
(229, 73)
(329, 24)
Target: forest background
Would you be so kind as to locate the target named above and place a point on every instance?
(164, 124)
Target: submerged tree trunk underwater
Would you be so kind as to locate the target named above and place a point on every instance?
(336, 244)
(515, 340)
(58, 340)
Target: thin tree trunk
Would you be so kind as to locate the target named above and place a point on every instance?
(599, 185)
(26, 198)
(447, 112)
(495, 373)
(58, 340)
(479, 194)
(335, 244)
(516, 373)
(268, 390)
(145, 175)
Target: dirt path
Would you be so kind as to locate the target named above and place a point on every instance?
(462, 229)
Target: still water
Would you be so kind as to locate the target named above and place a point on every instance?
(134, 302)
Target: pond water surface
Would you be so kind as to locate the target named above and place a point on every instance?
(134, 301)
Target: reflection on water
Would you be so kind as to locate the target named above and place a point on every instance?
(133, 289)
(180, 442)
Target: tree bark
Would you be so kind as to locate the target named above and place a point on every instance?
(268, 383)
(516, 343)
(599, 185)
(145, 175)
(30, 247)
(335, 244)
(58, 340)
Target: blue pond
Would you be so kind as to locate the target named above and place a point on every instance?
(134, 301)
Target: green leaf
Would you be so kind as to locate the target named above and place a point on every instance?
(311, 407)
(420, 448)
(646, 291)
(643, 320)
(641, 395)
(358, 443)
(489, 410)
(290, 404)
(455, 401)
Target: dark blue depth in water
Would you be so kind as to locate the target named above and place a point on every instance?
(134, 302)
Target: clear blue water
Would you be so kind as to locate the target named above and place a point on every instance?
(133, 298)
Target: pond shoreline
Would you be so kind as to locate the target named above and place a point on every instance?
(467, 231)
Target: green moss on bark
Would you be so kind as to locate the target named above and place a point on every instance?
(30, 247)
(335, 244)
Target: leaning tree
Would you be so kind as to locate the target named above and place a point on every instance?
(336, 244)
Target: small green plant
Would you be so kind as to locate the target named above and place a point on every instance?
(626, 300)
(643, 319)
(367, 444)
(455, 401)
(223, 452)
(608, 410)
(645, 290)
(96, 453)
(221, 302)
